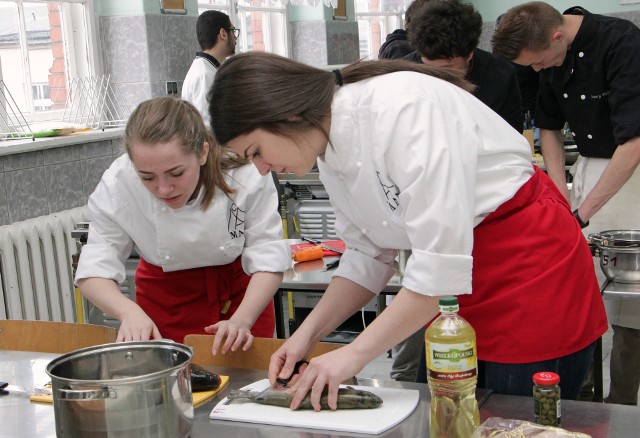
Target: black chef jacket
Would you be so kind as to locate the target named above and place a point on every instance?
(597, 87)
(496, 85)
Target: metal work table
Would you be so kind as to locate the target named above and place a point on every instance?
(596, 419)
(308, 277)
(21, 418)
(621, 291)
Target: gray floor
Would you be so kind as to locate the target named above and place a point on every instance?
(380, 367)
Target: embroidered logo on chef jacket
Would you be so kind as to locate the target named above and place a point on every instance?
(390, 192)
(236, 221)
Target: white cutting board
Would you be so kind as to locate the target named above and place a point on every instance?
(397, 405)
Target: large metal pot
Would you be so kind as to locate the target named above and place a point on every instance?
(619, 252)
(129, 389)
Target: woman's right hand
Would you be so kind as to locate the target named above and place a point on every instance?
(137, 326)
(283, 361)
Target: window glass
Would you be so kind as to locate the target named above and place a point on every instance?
(42, 46)
(376, 19)
(278, 4)
(263, 23)
(44, 36)
(262, 31)
(213, 2)
(10, 55)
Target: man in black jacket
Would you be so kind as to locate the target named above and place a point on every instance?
(589, 66)
(446, 33)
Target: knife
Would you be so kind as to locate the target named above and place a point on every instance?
(324, 245)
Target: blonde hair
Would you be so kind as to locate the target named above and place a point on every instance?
(164, 119)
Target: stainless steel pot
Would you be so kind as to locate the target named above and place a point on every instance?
(129, 389)
(619, 252)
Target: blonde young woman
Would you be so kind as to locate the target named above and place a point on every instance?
(204, 223)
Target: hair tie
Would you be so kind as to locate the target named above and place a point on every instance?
(338, 77)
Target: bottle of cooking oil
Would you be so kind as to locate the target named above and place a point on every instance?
(452, 373)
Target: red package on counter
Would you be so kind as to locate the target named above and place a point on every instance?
(338, 244)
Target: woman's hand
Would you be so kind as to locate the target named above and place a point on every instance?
(137, 326)
(234, 335)
(283, 361)
(328, 370)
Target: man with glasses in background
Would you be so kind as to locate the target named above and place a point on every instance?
(217, 38)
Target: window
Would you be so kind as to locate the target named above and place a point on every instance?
(42, 45)
(263, 24)
(377, 19)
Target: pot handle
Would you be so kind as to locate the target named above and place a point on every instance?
(88, 394)
(595, 241)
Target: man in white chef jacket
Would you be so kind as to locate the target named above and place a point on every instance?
(217, 38)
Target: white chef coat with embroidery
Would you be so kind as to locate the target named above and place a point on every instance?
(416, 163)
(125, 214)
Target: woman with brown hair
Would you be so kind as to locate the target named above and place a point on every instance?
(199, 218)
(412, 161)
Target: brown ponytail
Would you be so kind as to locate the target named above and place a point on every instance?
(262, 90)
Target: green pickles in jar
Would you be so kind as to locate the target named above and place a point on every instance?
(546, 398)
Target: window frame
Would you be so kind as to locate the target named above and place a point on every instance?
(366, 15)
(232, 8)
(90, 50)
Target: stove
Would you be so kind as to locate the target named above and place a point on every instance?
(304, 204)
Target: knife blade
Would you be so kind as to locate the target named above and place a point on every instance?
(324, 245)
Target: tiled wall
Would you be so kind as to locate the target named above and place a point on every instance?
(48, 181)
(142, 52)
(325, 42)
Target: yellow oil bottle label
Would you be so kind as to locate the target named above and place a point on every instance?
(451, 361)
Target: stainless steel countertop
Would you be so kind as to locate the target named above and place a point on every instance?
(621, 291)
(21, 418)
(308, 276)
(599, 420)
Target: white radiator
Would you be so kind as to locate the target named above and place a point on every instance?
(36, 274)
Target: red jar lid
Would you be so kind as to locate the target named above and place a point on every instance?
(546, 378)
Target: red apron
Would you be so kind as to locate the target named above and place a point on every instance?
(535, 293)
(186, 301)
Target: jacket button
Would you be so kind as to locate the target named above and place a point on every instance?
(385, 223)
(167, 257)
(583, 97)
(565, 95)
(364, 231)
(222, 248)
(581, 54)
(164, 209)
(589, 136)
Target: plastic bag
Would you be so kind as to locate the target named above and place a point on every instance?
(496, 427)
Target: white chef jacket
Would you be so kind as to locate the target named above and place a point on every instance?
(125, 214)
(416, 163)
(196, 86)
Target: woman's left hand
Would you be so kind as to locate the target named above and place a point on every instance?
(328, 370)
(237, 335)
